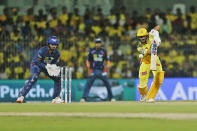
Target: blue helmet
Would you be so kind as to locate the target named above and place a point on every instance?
(53, 40)
(98, 40)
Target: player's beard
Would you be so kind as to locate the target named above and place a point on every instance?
(98, 48)
(52, 50)
(143, 40)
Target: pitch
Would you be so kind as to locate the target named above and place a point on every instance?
(106, 116)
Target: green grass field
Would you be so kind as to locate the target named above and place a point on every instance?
(101, 116)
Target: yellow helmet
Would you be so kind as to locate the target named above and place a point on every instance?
(142, 32)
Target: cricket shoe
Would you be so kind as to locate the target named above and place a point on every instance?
(57, 100)
(20, 99)
(82, 100)
(150, 100)
(142, 98)
(113, 100)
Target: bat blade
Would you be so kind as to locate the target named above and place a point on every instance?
(153, 57)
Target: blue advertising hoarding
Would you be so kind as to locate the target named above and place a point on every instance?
(175, 89)
(122, 89)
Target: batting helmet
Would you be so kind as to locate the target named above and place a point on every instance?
(53, 40)
(98, 40)
(142, 32)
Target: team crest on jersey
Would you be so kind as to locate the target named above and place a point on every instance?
(98, 57)
(142, 32)
(143, 73)
(48, 60)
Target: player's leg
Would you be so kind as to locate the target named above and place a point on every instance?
(143, 78)
(142, 91)
(157, 81)
(108, 86)
(35, 71)
(88, 85)
(57, 90)
(57, 87)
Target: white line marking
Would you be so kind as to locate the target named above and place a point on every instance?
(172, 116)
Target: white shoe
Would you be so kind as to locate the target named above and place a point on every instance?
(20, 99)
(113, 100)
(57, 100)
(142, 98)
(82, 100)
(151, 100)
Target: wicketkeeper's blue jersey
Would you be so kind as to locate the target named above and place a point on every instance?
(43, 57)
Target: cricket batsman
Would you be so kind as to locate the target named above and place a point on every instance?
(45, 60)
(144, 48)
(96, 69)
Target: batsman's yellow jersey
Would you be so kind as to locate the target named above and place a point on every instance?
(144, 48)
(144, 70)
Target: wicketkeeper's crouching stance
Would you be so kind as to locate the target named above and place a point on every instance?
(146, 41)
(45, 60)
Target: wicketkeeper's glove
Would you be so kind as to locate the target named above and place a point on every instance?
(53, 69)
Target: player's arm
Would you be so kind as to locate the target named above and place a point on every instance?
(157, 28)
(39, 60)
(108, 67)
(107, 63)
(88, 66)
(155, 33)
(88, 61)
(52, 68)
(56, 60)
(143, 52)
(155, 43)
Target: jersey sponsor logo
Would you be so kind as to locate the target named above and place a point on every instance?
(141, 32)
(54, 40)
(48, 60)
(143, 73)
(98, 57)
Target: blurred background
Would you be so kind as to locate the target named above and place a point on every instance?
(25, 25)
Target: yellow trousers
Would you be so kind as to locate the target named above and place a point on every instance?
(144, 73)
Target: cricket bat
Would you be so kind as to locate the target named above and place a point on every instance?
(153, 63)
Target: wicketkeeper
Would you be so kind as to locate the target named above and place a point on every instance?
(144, 48)
(45, 60)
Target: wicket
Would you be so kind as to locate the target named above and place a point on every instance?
(66, 84)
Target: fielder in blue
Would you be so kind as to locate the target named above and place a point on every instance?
(47, 55)
(96, 69)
